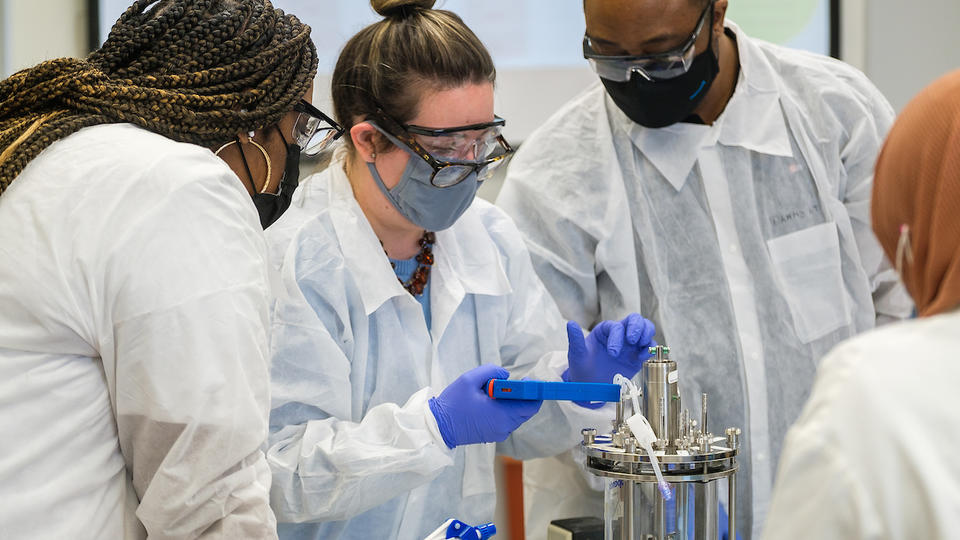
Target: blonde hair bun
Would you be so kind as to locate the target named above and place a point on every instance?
(400, 8)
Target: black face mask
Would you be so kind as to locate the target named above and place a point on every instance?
(271, 206)
(665, 102)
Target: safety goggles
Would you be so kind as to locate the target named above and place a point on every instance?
(453, 153)
(313, 130)
(651, 67)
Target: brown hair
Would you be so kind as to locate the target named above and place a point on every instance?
(196, 71)
(389, 63)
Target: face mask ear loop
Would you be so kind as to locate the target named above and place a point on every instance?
(282, 137)
(904, 249)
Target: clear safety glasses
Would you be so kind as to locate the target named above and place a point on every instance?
(652, 67)
(313, 130)
(453, 153)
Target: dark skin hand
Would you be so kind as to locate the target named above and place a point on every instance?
(642, 27)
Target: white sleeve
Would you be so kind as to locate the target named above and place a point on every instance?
(562, 250)
(815, 495)
(184, 343)
(332, 470)
(535, 346)
(819, 492)
(566, 192)
(330, 459)
(864, 138)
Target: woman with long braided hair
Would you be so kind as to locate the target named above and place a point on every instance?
(133, 277)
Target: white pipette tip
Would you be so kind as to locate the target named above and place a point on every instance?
(642, 431)
(665, 490)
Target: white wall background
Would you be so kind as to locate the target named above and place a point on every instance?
(32, 31)
(900, 45)
(909, 44)
(534, 43)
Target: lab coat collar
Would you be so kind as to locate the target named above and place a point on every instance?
(362, 252)
(752, 120)
(467, 260)
(468, 256)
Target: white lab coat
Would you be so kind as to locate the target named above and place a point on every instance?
(133, 345)
(874, 453)
(747, 243)
(354, 448)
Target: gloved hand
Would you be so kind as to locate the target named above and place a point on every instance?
(612, 347)
(467, 415)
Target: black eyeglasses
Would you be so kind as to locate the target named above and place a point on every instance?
(313, 130)
(462, 150)
(662, 66)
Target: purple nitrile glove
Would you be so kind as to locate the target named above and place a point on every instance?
(467, 415)
(612, 347)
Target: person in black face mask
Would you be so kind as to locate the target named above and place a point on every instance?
(718, 185)
(659, 89)
(305, 129)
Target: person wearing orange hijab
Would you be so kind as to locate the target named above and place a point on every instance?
(873, 454)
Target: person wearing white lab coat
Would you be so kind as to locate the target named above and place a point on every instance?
(727, 201)
(134, 386)
(873, 455)
(399, 299)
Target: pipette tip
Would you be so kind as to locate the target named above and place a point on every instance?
(665, 490)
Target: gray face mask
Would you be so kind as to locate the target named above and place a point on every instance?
(424, 204)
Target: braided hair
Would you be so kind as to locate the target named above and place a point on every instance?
(196, 71)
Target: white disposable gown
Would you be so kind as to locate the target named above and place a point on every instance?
(747, 242)
(133, 345)
(354, 448)
(873, 454)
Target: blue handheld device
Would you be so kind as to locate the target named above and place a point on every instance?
(569, 391)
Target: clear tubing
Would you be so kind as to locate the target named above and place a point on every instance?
(646, 437)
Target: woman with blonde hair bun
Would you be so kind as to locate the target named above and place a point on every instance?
(402, 296)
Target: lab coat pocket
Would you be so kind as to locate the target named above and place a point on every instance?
(806, 264)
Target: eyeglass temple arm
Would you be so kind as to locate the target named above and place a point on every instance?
(308, 108)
